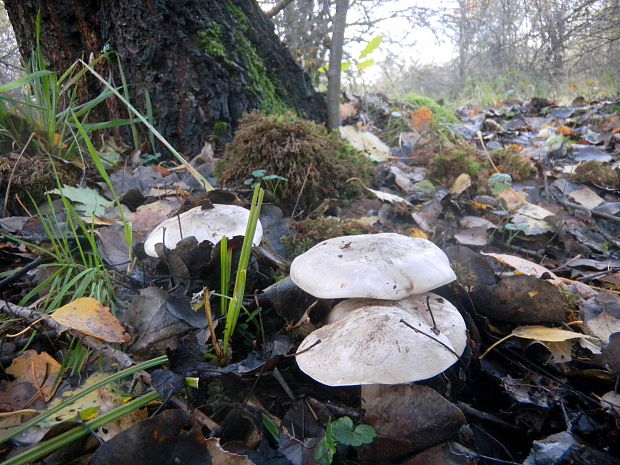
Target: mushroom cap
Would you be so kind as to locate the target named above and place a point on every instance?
(372, 346)
(448, 319)
(204, 224)
(377, 266)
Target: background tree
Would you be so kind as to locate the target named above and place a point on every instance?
(203, 62)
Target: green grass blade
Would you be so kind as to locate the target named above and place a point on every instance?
(203, 182)
(24, 80)
(234, 306)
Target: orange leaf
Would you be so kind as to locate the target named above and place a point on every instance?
(565, 131)
(161, 170)
(89, 316)
(40, 370)
(422, 119)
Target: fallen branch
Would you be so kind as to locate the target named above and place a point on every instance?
(607, 216)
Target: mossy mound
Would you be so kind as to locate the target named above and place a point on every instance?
(311, 231)
(595, 173)
(31, 177)
(510, 161)
(315, 163)
(445, 167)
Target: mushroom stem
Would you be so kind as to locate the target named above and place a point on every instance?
(430, 337)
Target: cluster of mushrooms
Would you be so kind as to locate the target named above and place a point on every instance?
(389, 329)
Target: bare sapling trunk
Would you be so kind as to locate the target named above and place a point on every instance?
(335, 64)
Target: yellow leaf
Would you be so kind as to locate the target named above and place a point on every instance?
(461, 183)
(542, 333)
(89, 316)
(415, 232)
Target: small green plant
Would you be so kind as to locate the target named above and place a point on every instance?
(74, 264)
(342, 432)
(231, 305)
(270, 182)
(513, 231)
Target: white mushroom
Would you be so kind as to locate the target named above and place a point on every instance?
(378, 266)
(204, 224)
(431, 309)
(377, 345)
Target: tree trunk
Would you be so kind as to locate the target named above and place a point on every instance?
(203, 62)
(334, 72)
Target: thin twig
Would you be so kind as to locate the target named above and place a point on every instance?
(21, 272)
(8, 185)
(430, 337)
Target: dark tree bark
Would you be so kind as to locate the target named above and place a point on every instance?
(203, 62)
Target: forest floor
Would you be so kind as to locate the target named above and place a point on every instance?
(523, 198)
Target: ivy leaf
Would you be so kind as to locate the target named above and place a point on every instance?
(346, 434)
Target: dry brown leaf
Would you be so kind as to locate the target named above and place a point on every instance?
(348, 110)
(89, 316)
(523, 266)
(422, 119)
(40, 370)
(565, 131)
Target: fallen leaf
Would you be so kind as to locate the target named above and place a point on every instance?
(523, 266)
(544, 335)
(383, 196)
(88, 200)
(40, 370)
(367, 142)
(461, 184)
(422, 119)
(89, 316)
(565, 131)
(348, 110)
(586, 197)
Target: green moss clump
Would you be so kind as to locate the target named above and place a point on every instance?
(315, 163)
(210, 40)
(595, 173)
(240, 17)
(509, 160)
(221, 128)
(441, 114)
(311, 231)
(446, 167)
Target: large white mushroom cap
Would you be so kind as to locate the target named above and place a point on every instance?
(448, 319)
(377, 266)
(372, 345)
(204, 224)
